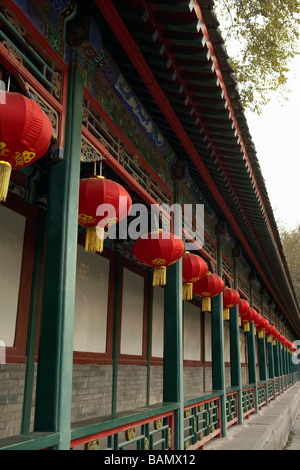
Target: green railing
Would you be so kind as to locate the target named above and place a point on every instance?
(261, 395)
(152, 428)
(231, 408)
(126, 433)
(270, 388)
(201, 423)
(277, 386)
(248, 401)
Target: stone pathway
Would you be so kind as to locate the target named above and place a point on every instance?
(293, 442)
(274, 427)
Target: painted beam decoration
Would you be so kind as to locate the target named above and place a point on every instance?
(49, 17)
(125, 93)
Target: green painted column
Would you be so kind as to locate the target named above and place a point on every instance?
(173, 340)
(33, 323)
(285, 363)
(280, 365)
(251, 353)
(217, 336)
(115, 345)
(271, 358)
(276, 362)
(262, 355)
(55, 361)
(235, 359)
(149, 334)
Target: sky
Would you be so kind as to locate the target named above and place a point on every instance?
(275, 134)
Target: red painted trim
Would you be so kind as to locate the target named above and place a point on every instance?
(172, 426)
(130, 47)
(17, 353)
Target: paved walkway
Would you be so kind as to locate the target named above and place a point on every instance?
(293, 442)
(274, 427)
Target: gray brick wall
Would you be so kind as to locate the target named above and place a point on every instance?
(156, 384)
(92, 390)
(132, 387)
(193, 381)
(11, 398)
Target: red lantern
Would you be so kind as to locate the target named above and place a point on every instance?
(193, 269)
(207, 287)
(248, 317)
(25, 135)
(231, 298)
(262, 325)
(275, 336)
(269, 332)
(255, 318)
(258, 322)
(102, 203)
(158, 250)
(243, 309)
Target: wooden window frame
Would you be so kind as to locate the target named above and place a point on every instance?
(132, 358)
(154, 360)
(17, 352)
(86, 357)
(194, 362)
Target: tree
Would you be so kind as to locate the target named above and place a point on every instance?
(264, 37)
(291, 247)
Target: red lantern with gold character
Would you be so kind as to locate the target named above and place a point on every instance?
(231, 298)
(102, 203)
(25, 135)
(193, 268)
(158, 249)
(207, 287)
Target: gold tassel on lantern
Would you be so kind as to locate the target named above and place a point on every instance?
(94, 239)
(261, 334)
(159, 276)
(206, 304)
(226, 314)
(187, 291)
(246, 326)
(5, 172)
